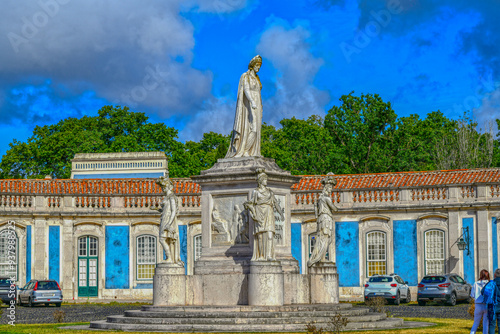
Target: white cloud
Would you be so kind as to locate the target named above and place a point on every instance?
(489, 110)
(108, 47)
(289, 53)
(217, 115)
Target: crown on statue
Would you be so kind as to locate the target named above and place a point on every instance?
(255, 60)
(329, 179)
(261, 173)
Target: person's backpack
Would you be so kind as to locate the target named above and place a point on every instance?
(489, 293)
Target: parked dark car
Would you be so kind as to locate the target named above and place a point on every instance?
(40, 292)
(448, 288)
(8, 290)
(391, 287)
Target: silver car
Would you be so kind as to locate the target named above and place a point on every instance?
(448, 288)
(391, 287)
(40, 292)
(8, 290)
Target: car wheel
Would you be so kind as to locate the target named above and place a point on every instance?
(421, 303)
(30, 303)
(408, 296)
(58, 304)
(453, 299)
(398, 299)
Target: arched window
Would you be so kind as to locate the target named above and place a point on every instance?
(376, 255)
(434, 252)
(9, 259)
(146, 257)
(197, 246)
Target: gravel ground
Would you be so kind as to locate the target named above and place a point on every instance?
(73, 312)
(91, 312)
(432, 310)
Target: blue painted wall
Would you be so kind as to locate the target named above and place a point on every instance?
(405, 250)
(118, 176)
(54, 252)
(494, 242)
(28, 253)
(296, 234)
(183, 245)
(347, 252)
(117, 257)
(469, 270)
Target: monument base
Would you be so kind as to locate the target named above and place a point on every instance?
(324, 283)
(169, 285)
(265, 283)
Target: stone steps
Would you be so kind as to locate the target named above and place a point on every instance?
(289, 318)
(281, 314)
(285, 327)
(236, 320)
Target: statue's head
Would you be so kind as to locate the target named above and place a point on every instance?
(165, 183)
(261, 175)
(255, 60)
(329, 181)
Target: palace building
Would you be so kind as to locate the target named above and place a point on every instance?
(97, 233)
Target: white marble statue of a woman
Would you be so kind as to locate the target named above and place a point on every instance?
(324, 217)
(169, 235)
(261, 208)
(245, 140)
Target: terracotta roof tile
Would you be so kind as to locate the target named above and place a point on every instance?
(307, 183)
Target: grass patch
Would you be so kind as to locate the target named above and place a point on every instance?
(443, 326)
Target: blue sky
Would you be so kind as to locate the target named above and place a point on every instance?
(180, 61)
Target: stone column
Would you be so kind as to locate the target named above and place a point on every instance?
(40, 256)
(324, 282)
(265, 283)
(68, 265)
(483, 238)
(169, 285)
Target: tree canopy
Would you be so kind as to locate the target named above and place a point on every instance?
(361, 135)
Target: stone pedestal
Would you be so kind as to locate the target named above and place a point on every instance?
(227, 233)
(169, 285)
(324, 283)
(265, 284)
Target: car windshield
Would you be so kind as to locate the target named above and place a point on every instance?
(380, 279)
(433, 279)
(4, 282)
(50, 285)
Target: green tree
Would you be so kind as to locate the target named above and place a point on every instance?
(360, 127)
(51, 147)
(412, 145)
(496, 147)
(300, 146)
(466, 146)
(202, 155)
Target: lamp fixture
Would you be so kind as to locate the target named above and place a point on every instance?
(464, 240)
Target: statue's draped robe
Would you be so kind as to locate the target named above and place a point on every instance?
(246, 136)
(325, 221)
(263, 203)
(169, 227)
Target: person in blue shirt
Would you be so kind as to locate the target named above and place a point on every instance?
(496, 319)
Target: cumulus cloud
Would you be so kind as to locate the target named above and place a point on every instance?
(123, 50)
(489, 111)
(289, 53)
(217, 115)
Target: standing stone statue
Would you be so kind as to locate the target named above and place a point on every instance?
(169, 235)
(324, 210)
(246, 135)
(261, 208)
